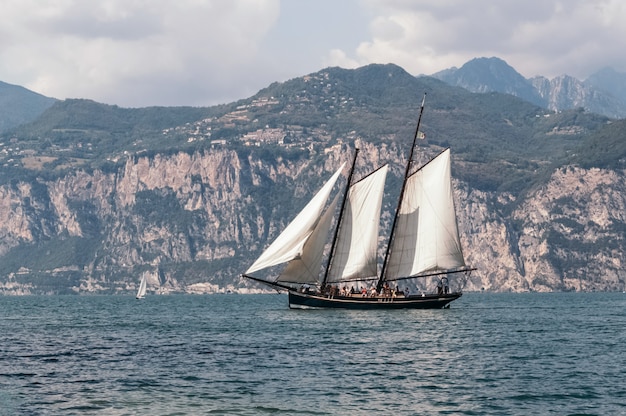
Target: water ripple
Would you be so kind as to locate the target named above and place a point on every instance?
(490, 354)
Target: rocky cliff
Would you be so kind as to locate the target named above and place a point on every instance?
(194, 222)
(567, 234)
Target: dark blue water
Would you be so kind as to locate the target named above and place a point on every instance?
(490, 354)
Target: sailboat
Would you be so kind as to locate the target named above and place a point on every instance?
(141, 292)
(423, 245)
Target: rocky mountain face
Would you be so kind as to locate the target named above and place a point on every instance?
(567, 234)
(152, 213)
(158, 213)
(603, 93)
(565, 92)
(194, 216)
(155, 214)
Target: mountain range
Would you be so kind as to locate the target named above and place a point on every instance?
(92, 196)
(604, 92)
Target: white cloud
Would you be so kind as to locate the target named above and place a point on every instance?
(159, 52)
(337, 57)
(547, 37)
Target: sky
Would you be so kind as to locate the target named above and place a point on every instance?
(139, 53)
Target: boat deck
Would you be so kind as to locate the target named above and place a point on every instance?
(299, 300)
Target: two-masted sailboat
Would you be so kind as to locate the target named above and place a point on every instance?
(423, 246)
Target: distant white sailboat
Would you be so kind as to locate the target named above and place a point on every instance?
(141, 292)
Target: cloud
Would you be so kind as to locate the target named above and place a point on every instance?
(547, 37)
(205, 52)
(161, 52)
(337, 57)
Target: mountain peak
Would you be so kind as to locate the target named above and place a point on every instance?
(19, 105)
(603, 92)
(490, 75)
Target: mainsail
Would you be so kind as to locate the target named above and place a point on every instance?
(355, 255)
(426, 237)
(290, 244)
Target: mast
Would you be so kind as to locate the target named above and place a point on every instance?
(407, 171)
(343, 207)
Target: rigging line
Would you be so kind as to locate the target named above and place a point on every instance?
(434, 274)
(429, 162)
(267, 282)
(370, 174)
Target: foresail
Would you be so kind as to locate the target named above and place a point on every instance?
(355, 253)
(289, 244)
(426, 236)
(306, 268)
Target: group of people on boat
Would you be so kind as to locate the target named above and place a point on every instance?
(332, 291)
(386, 291)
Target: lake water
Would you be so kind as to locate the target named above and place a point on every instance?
(489, 354)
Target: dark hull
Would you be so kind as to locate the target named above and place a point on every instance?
(299, 300)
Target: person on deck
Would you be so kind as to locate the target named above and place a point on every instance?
(446, 288)
(373, 292)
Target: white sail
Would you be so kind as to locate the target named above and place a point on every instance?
(426, 236)
(290, 243)
(306, 268)
(355, 254)
(141, 292)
